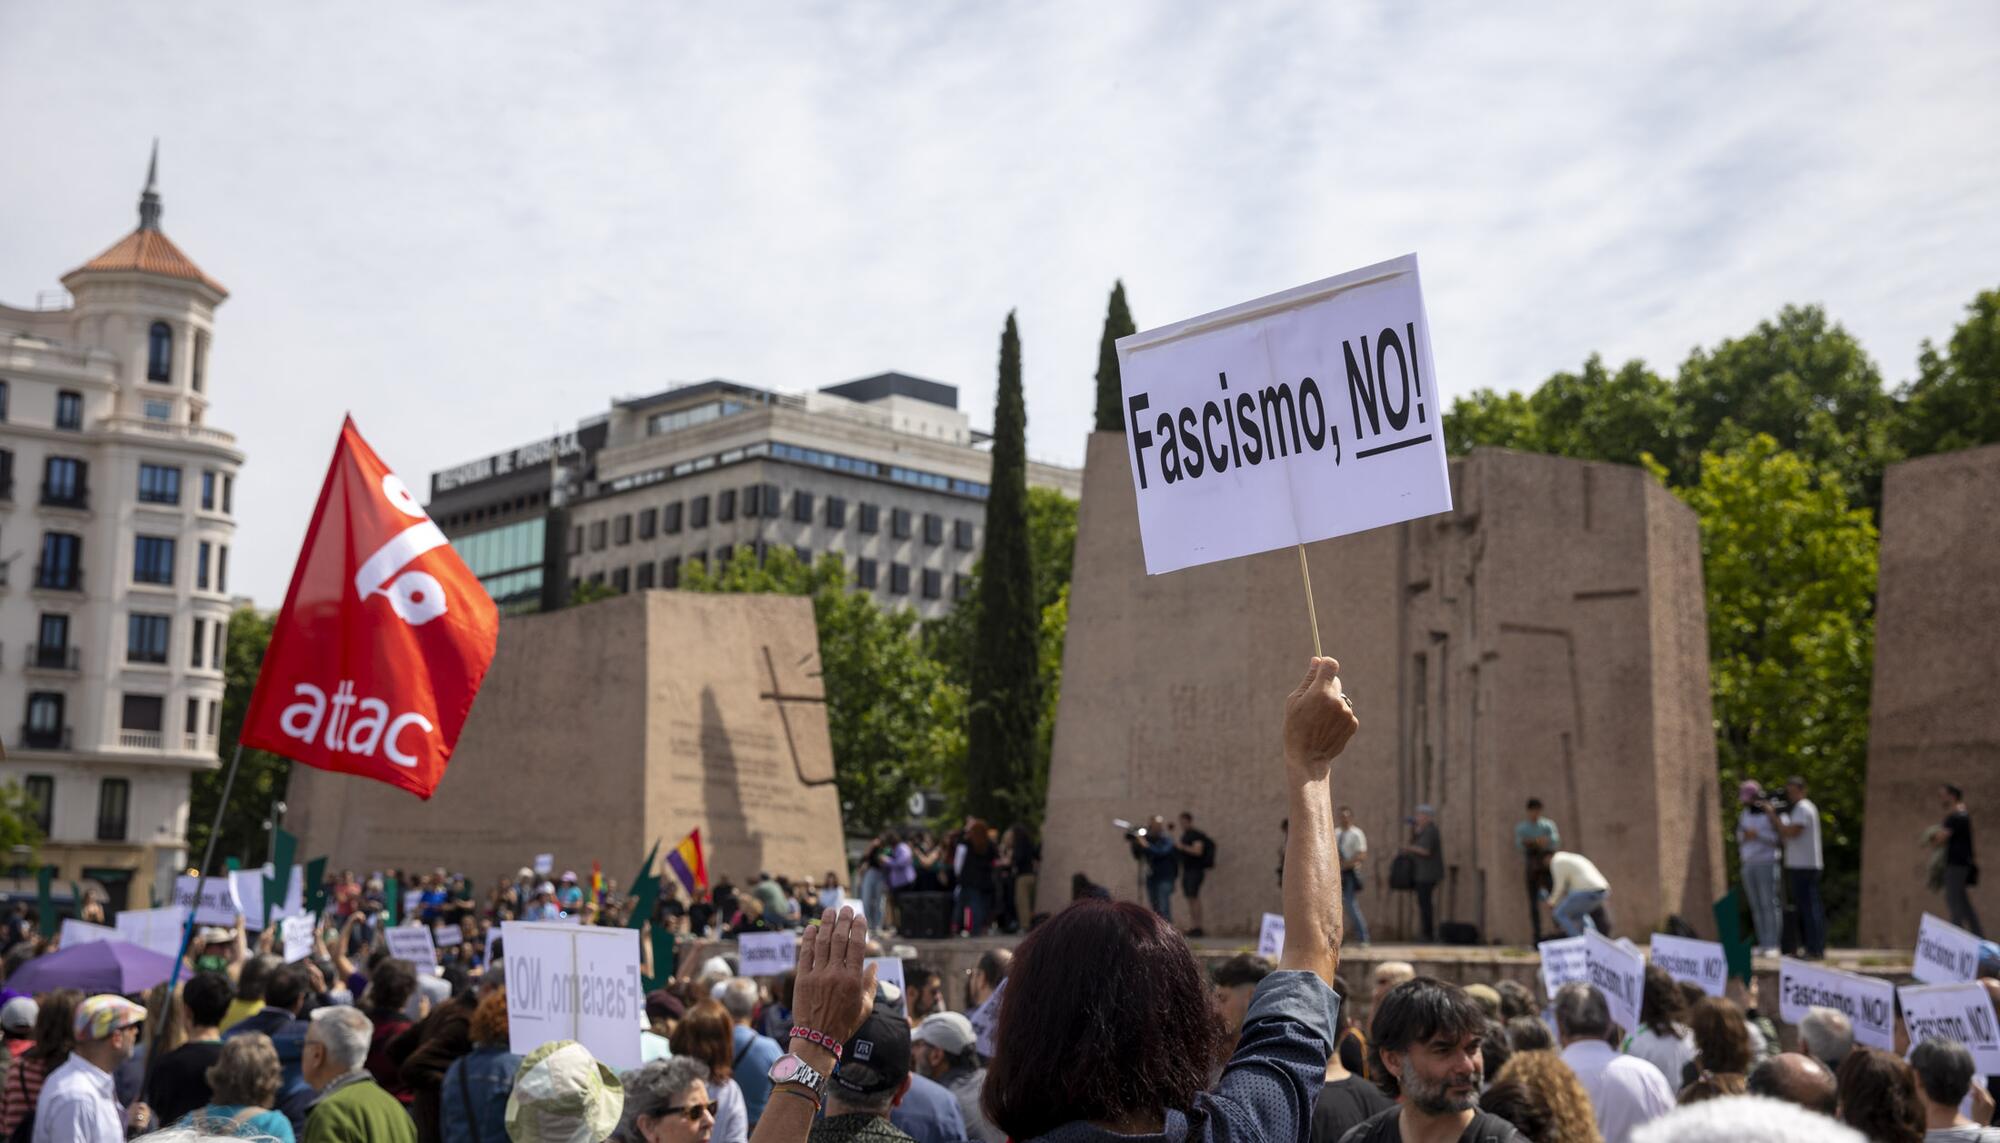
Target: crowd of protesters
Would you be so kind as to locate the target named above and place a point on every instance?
(1100, 1026)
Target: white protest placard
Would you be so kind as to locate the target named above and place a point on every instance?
(1868, 1003)
(767, 954)
(298, 936)
(219, 903)
(1701, 963)
(1945, 953)
(492, 935)
(1562, 963)
(986, 1023)
(889, 970)
(1271, 937)
(412, 943)
(545, 863)
(582, 984)
(158, 929)
(1292, 418)
(1619, 973)
(1959, 1011)
(75, 932)
(449, 936)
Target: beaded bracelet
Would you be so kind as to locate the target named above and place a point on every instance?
(801, 1032)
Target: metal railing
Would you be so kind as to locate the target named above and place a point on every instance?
(45, 738)
(142, 739)
(59, 578)
(42, 657)
(78, 497)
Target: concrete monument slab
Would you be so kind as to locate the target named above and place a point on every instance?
(1547, 637)
(1933, 713)
(604, 728)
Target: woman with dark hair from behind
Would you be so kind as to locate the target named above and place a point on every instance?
(1721, 1041)
(1347, 1099)
(1106, 1029)
(1878, 1097)
(55, 1036)
(1662, 1038)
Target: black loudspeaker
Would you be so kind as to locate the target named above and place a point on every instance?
(923, 916)
(1459, 933)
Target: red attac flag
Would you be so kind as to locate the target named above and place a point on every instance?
(384, 638)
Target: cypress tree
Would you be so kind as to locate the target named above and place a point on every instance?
(1004, 677)
(1110, 401)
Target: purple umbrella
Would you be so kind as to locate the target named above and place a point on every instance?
(99, 966)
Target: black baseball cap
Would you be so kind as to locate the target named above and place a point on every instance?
(877, 1059)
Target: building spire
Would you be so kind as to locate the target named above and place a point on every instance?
(149, 200)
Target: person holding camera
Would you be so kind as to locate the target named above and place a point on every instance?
(1757, 848)
(1153, 846)
(1197, 851)
(1798, 824)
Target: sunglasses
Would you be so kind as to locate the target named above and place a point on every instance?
(693, 1111)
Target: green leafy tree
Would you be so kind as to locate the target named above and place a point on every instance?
(1484, 417)
(894, 716)
(1804, 381)
(590, 591)
(1955, 401)
(263, 778)
(1110, 395)
(1789, 569)
(1005, 703)
(1600, 415)
(17, 824)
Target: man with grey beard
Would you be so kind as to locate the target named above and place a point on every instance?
(1425, 1037)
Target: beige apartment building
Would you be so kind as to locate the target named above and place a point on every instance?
(116, 522)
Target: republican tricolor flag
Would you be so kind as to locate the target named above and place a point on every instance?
(384, 639)
(686, 862)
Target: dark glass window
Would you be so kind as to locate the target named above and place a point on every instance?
(670, 519)
(153, 559)
(961, 588)
(670, 572)
(207, 491)
(621, 580)
(599, 529)
(871, 519)
(201, 553)
(159, 352)
(53, 648)
(45, 720)
(961, 535)
(649, 523)
(725, 506)
(62, 562)
(644, 573)
(899, 523)
(933, 584)
(6, 474)
(802, 507)
(228, 493)
(622, 529)
(143, 712)
(221, 575)
(576, 540)
(804, 553)
(69, 409)
(865, 574)
(836, 512)
(771, 501)
(65, 482)
(3, 400)
(933, 528)
(753, 501)
(41, 791)
(698, 512)
(199, 644)
(899, 579)
(114, 796)
(159, 484)
(200, 361)
(191, 726)
(146, 637)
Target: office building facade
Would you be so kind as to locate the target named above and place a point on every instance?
(116, 522)
(884, 472)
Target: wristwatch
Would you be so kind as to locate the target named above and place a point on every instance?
(789, 1068)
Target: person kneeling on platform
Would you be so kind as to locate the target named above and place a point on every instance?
(1578, 891)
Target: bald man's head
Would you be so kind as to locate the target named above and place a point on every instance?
(1796, 1078)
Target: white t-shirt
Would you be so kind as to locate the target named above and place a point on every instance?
(1802, 852)
(1352, 842)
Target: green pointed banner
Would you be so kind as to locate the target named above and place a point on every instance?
(1729, 931)
(232, 864)
(645, 891)
(392, 901)
(315, 882)
(46, 921)
(284, 846)
(663, 959)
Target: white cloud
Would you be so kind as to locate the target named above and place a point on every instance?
(469, 225)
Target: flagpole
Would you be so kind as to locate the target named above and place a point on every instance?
(194, 907)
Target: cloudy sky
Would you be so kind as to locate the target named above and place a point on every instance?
(471, 224)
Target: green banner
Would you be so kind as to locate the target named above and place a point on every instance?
(1729, 931)
(315, 882)
(284, 846)
(46, 920)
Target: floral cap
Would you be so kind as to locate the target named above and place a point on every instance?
(99, 1016)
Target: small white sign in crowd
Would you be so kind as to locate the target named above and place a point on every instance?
(1868, 1002)
(1945, 953)
(1271, 937)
